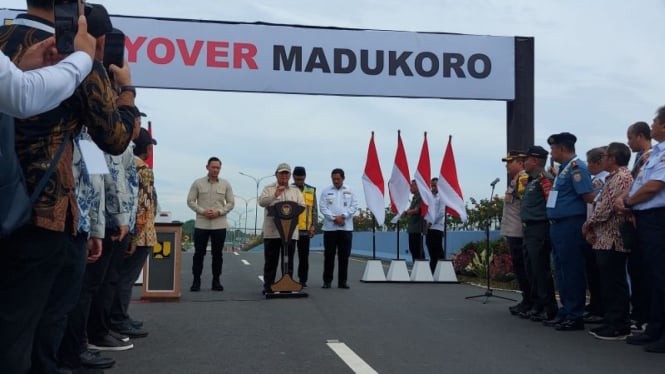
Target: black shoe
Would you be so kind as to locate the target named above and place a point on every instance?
(303, 284)
(553, 322)
(114, 333)
(570, 325)
(216, 286)
(94, 360)
(196, 286)
(522, 307)
(656, 347)
(527, 314)
(593, 319)
(109, 343)
(606, 332)
(132, 332)
(640, 339)
(514, 310)
(136, 324)
(344, 286)
(326, 285)
(79, 371)
(542, 316)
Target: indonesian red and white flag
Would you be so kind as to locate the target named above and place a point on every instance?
(423, 182)
(373, 184)
(399, 182)
(448, 185)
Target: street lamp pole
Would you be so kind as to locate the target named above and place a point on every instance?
(246, 204)
(256, 204)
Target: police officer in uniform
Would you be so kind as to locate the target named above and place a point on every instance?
(306, 223)
(511, 226)
(536, 235)
(566, 210)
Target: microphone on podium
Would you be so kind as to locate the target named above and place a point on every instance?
(494, 182)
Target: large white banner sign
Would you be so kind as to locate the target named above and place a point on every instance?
(201, 55)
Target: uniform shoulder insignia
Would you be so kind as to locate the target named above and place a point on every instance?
(574, 164)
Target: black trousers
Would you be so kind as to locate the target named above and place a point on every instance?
(416, 246)
(336, 242)
(651, 237)
(593, 282)
(128, 273)
(62, 300)
(104, 275)
(271, 256)
(614, 287)
(539, 250)
(217, 238)
(519, 259)
(640, 286)
(30, 261)
(303, 257)
(434, 241)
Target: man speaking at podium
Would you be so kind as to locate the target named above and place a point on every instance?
(272, 243)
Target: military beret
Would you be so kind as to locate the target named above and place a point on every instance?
(537, 151)
(564, 137)
(514, 155)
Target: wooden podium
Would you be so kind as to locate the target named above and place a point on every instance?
(161, 272)
(285, 215)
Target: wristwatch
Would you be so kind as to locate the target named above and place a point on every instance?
(131, 89)
(625, 203)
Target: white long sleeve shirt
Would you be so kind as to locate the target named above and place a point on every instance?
(439, 209)
(337, 202)
(24, 94)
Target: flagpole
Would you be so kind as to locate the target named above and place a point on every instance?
(445, 235)
(373, 237)
(398, 240)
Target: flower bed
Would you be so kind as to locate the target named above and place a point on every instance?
(472, 261)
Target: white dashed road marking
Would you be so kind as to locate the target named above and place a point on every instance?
(357, 364)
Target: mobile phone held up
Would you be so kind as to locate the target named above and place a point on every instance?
(114, 49)
(66, 14)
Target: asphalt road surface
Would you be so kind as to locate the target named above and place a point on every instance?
(370, 328)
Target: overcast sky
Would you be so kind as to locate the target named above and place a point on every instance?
(599, 68)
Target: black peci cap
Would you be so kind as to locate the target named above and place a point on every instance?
(144, 139)
(537, 152)
(299, 171)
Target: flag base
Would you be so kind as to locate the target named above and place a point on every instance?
(445, 272)
(398, 272)
(373, 272)
(420, 272)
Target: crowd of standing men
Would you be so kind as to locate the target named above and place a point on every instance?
(66, 276)
(600, 226)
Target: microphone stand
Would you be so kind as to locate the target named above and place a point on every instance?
(488, 291)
